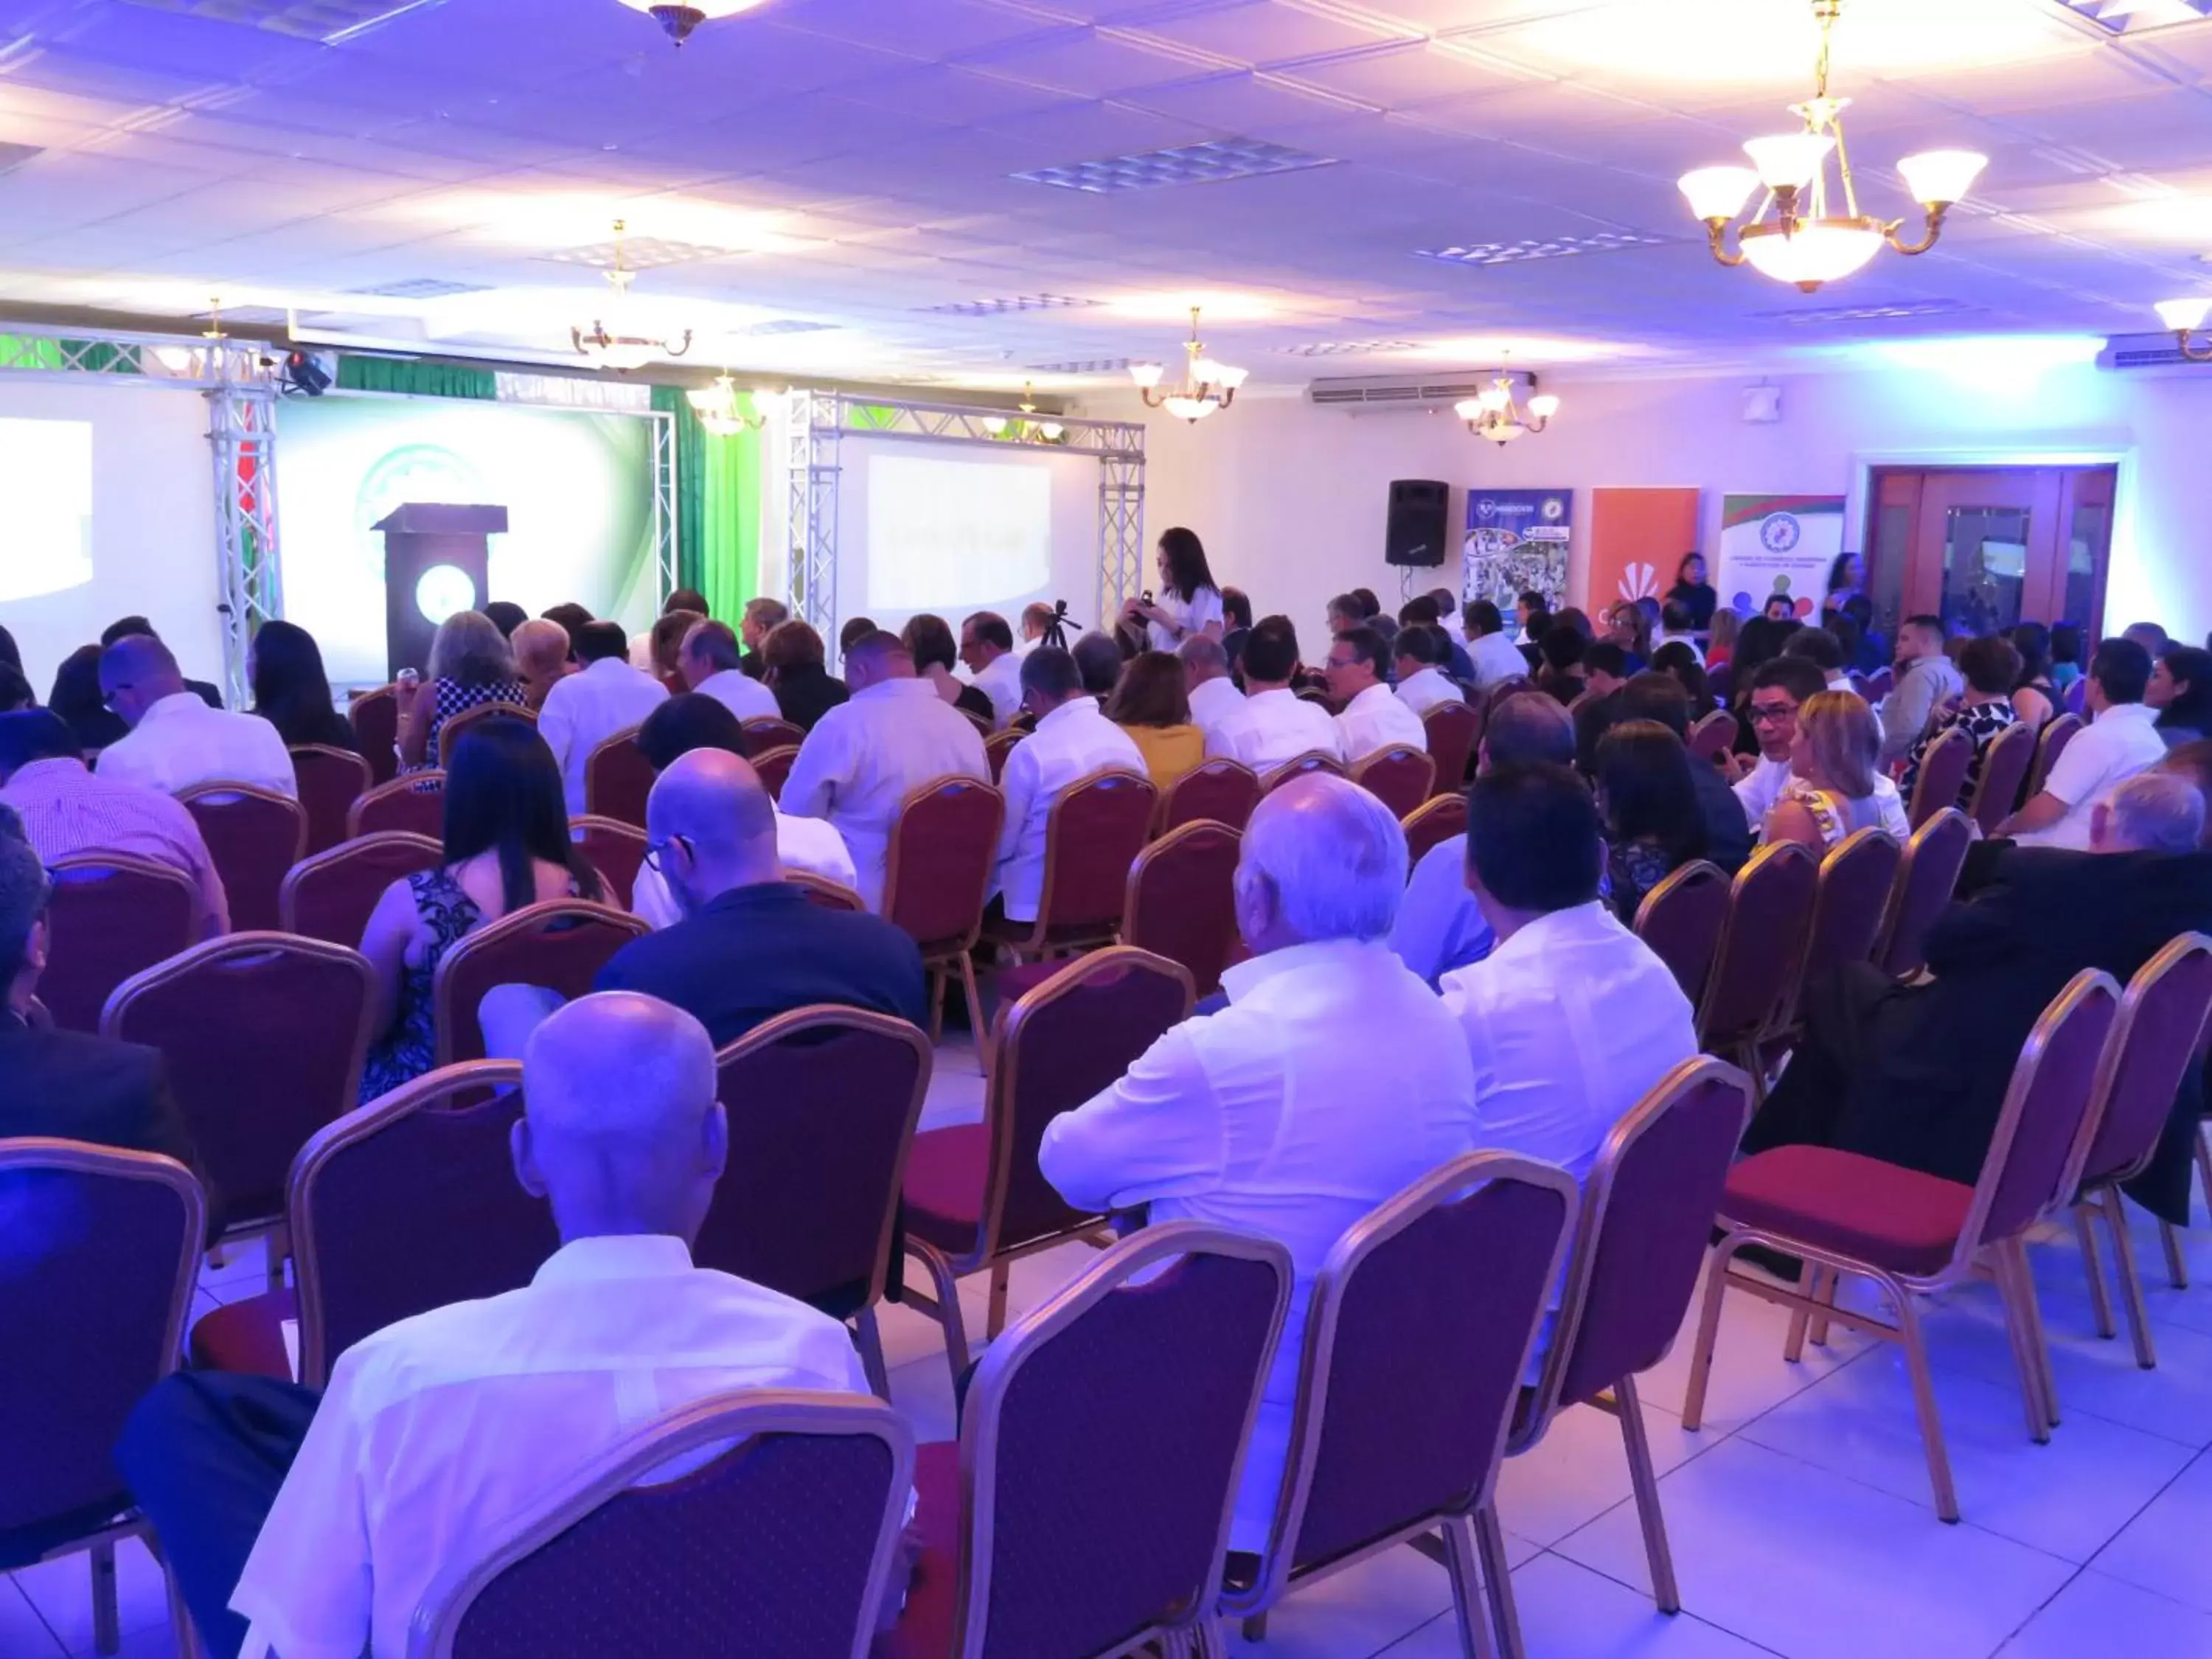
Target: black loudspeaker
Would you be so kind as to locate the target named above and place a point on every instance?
(1419, 511)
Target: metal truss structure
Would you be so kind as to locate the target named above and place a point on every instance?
(815, 422)
(665, 578)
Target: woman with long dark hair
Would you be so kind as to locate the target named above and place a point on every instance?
(2181, 690)
(1680, 663)
(1694, 592)
(1648, 797)
(2035, 696)
(284, 668)
(1188, 600)
(506, 846)
(1846, 580)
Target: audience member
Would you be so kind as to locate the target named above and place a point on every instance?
(1846, 581)
(1421, 611)
(1529, 605)
(929, 641)
(601, 700)
(1422, 682)
(2065, 655)
(1991, 668)
(572, 618)
(1495, 658)
(1097, 664)
(864, 757)
(15, 691)
(2034, 696)
(1368, 607)
(1627, 627)
(1720, 643)
(1236, 623)
(1037, 618)
(1676, 629)
(804, 688)
(711, 660)
(2148, 634)
(759, 618)
(1779, 607)
(1188, 601)
(1151, 704)
(541, 658)
(1072, 740)
(1927, 681)
(1606, 666)
(664, 644)
(1676, 660)
(284, 668)
(2121, 739)
(1869, 655)
(1273, 725)
(10, 653)
(1777, 691)
(645, 645)
(986, 650)
(125, 626)
(854, 631)
(1694, 592)
(177, 740)
(1449, 607)
(1653, 695)
(1647, 798)
(1820, 647)
(1562, 648)
(2180, 688)
(1264, 1116)
(506, 616)
(1215, 699)
(2192, 760)
(471, 663)
(1830, 792)
(1373, 717)
(1342, 613)
(76, 698)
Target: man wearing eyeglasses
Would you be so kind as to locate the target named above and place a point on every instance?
(1777, 690)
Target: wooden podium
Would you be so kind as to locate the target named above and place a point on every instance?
(422, 536)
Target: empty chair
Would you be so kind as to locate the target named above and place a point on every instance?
(1926, 876)
(1433, 823)
(997, 745)
(2056, 734)
(1856, 877)
(613, 848)
(1223, 790)
(1093, 835)
(1455, 732)
(943, 847)
(1106, 1425)
(376, 717)
(1943, 780)
(255, 836)
(2005, 766)
(331, 780)
(1754, 971)
(789, 1535)
(617, 778)
(1400, 776)
(1681, 920)
(451, 729)
(560, 944)
(331, 896)
(1182, 903)
(765, 732)
(773, 766)
(1299, 765)
(1713, 736)
(110, 915)
(415, 804)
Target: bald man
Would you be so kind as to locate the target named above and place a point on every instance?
(177, 742)
(436, 1430)
(541, 657)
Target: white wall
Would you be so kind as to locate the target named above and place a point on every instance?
(1291, 500)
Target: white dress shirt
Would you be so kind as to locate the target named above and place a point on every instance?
(1000, 680)
(1761, 786)
(435, 1431)
(1332, 1081)
(1841, 682)
(1455, 629)
(1375, 719)
(1213, 704)
(1273, 727)
(1496, 659)
(180, 743)
(868, 755)
(741, 693)
(583, 710)
(1192, 616)
(806, 846)
(2120, 743)
(1070, 743)
(1424, 690)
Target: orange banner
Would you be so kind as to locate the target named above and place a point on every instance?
(1637, 539)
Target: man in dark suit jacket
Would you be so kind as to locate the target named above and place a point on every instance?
(1656, 696)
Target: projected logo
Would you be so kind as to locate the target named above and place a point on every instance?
(442, 591)
(45, 477)
(412, 472)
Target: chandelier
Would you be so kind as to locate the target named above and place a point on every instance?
(680, 18)
(716, 406)
(1494, 414)
(2187, 318)
(1207, 385)
(605, 344)
(1795, 237)
(998, 426)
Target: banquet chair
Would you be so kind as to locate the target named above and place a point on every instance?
(1681, 920)
(262, 1038)
(1320, 698)
(822, 1105)
(785, 1540)
(1881, 683)
(415, 804)
(375, 717)
(110, 915)
(1912, 1234)
(773, 768)
(1720, 680)
(560, 944)
(1943, 780)
(330, 781)
(332, 895)
(997, 745)
(1753, 978)
(450, 732)
(254, 835)
(2004, 770)
(1926, 877)
(617, 778)
(1298, 766)
(90, 1319)
(975, 1197)
(1222, 789)
(1431, 823)
(2060, 731)
(766, 732)
(1454, 732)
(405, 1205)
(1422, 1321)
(1399, 775)
(827, 894)
(1856, 877)
(1085, 1508)
(613, 848)
(942, 849)
(1093, 834)
(1713, 736)
(1182, 904)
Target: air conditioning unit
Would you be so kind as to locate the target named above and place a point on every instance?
(2158, 350)
(1373, 393)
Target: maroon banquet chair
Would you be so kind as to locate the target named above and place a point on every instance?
(822, 1105)
(617, 778)
(1849, 906)
(1681, 920)
(330, 781)
(1422, 1322)
(458, 724)
(784, 1542)
(1299, 766)
(108, 916)
(405, 1205)
(1719, 680)
(332, 895)
(1400, 776)
(1093, 835)
(1881, 683)
(974, 1196)
(415, 804)
(613, 848)
(100, 1277)
(1713, 736)
(375, 717)
(1455, 733)
(1943, 780)
(1086, 1509)
(765, 732)
(773, 768)
(1926, 877)
(1182, 904)
(2056, 734)
(1433, 823)
(827, 894)
(1223, 790)
(1754, 973)
(255, 836)
(997, 745)
(943, 848)
(2005, 766)
(560, 944)
(1913, 1234)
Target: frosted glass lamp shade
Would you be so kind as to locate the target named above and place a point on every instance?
(1718, 192)
(1942, 176)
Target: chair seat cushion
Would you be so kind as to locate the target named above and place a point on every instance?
(944, 1190)
(1879, 1213)
(247, 1337)
(925, 1627)
(1011, 983)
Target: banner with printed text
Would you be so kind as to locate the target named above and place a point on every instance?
(1774, 544)
(1517, 539)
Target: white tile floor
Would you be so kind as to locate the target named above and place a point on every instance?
(1800, 1515)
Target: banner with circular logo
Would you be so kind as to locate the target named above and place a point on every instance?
(1778, 544)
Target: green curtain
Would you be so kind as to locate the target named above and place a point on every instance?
(35, 351)
(718, 484)
(415, 378)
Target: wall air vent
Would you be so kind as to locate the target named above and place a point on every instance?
(2145, 352)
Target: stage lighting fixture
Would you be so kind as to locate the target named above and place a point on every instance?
(303, 374)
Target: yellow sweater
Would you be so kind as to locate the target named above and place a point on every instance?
(1169, 752)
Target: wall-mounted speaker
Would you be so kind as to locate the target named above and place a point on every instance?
(1419, 523)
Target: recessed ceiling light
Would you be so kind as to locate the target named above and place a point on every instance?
(639, 254)
(1216, 160)
(1083, 366)
(1223, 307)
(1548, 247)
(1005, 307)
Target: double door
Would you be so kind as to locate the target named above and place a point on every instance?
(1988, 547)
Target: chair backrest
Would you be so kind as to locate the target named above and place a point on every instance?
(2023, 1178)
(1713, 736)
(111, 915)
(2056, 734)
(450, 728)
(411, 1203)
(1925, 879)
(1720, 680)
(787, 1536)
(1421, 1325)
(1100, 1442)
(103, 1254)
(822, 1104)
(1399, 775)
(2077, 695)
(376, 717)
(1223, 790)
(1881, 683)
(617, 778)
(1943, 780)
(822, 891)
(1059, 1043)
(773, 767)
(943, 848)
(997, 745)
(331, 896)
(1182, 904)
(1455, 730)
(613, 848)
(1754, 969)
(330, 779)
(415, 804)
(2005, 766)
(765, 732)
(1093, 835)
(560, 944)
(2161, 1019)
(254, 835)
(1433, 823)
(1681, 920)
(1850, 904)
(262, 1035)
(1298, 766)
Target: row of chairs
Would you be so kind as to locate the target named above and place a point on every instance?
(2018, 760)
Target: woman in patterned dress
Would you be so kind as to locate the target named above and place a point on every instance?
(471, 663)
(1830, 794)
(1991, 666)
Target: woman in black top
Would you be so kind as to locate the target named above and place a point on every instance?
(929, 641)
(1694, 592)
(805, 689)
(284, 668)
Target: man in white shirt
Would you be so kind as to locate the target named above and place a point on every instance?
(1275, 725)
(1927, 680)
(1422, 682)
(1333, 1080)
(1373, 717)
(176, 741)
(864, 756)
(605, 696)
(1495, 658)
(1036, 622)
(709, 664)
(1448, 614)
(986, 649)
(2121, 739)
(435, 1431)
(1778, 690)
(1214, 698)
(1073, 738)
